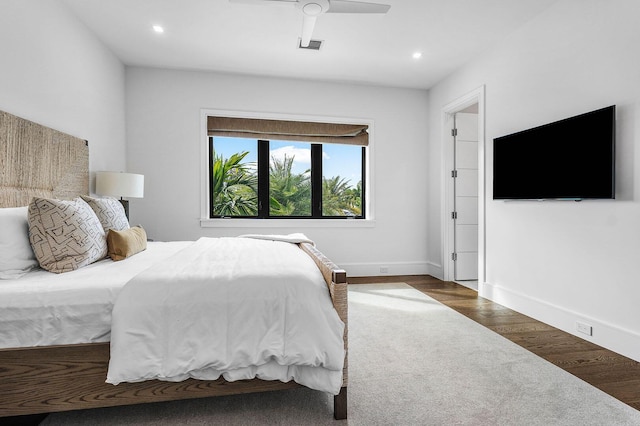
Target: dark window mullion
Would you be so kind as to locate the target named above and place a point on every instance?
(316, 180)
(263, 179)
(363, 188)
(212, 157)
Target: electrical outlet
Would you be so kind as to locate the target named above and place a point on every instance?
(584, 328)
(384, 269)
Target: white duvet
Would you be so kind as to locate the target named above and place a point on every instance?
(237, 307)
(42, 308)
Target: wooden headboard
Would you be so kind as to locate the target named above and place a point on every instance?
(36, 161)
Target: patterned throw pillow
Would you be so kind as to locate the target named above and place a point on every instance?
(65, 235)
(110, 212)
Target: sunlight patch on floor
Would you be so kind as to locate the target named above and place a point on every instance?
(396, 296)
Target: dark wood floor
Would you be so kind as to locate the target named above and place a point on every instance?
(612, 373)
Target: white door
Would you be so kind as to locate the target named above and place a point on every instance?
(465, 214)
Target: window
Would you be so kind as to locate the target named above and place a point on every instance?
(281, 169)
(271, 178)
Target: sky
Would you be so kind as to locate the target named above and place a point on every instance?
(337, 160)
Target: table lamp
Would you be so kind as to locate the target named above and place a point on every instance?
(119, 184)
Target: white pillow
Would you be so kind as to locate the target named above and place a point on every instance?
(16, 255)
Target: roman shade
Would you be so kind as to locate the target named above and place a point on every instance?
(303, 131)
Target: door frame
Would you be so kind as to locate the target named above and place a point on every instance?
(448, 112)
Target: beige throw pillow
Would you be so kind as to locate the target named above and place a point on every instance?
(110, 212)
(122, 244)
(65, 235)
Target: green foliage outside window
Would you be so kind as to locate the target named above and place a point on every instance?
(289, 193)
(235, 186)
(339, 199)
(235, 189)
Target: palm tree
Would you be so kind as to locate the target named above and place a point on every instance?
(289, 193)
(235, 186)
(354, 199)
(340, 199)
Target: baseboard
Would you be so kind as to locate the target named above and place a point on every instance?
(609, 336)
(436, 270)
(386, 268)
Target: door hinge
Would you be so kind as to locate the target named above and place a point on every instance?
(454, 173)
(454, 256)
(454, 132)
(454, 215)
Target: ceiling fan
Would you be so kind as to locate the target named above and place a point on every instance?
(311, 9)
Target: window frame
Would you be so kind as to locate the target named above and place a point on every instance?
(263, 149)
(327, 221)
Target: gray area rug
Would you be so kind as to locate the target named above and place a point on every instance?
(412, 361)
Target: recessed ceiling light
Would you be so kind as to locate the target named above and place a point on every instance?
(158, 29)
(417, 55)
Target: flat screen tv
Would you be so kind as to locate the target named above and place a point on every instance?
(570, 159)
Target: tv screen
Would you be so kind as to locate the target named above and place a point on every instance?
(571, 159)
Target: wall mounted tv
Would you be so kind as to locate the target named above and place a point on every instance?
(570, 159)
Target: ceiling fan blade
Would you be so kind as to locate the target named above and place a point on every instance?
(307, 29)
(263, 2)
(346, 6)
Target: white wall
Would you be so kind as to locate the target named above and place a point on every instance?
(55, 72)
(559, 261)
(164, 143)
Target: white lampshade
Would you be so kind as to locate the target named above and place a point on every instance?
(118, 184)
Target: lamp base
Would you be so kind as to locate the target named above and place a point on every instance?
(125, 204)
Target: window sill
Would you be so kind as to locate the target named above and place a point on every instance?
(287, 223)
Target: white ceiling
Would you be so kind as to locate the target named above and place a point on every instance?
(216, 35)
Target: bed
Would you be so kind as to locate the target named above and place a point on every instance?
(48, 376)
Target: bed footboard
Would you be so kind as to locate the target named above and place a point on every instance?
(336, 280)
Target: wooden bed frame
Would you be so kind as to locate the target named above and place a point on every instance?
(38, 161)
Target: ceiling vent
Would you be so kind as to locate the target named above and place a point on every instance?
(313, 44)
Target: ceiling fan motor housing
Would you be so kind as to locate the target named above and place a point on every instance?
(313, 7)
